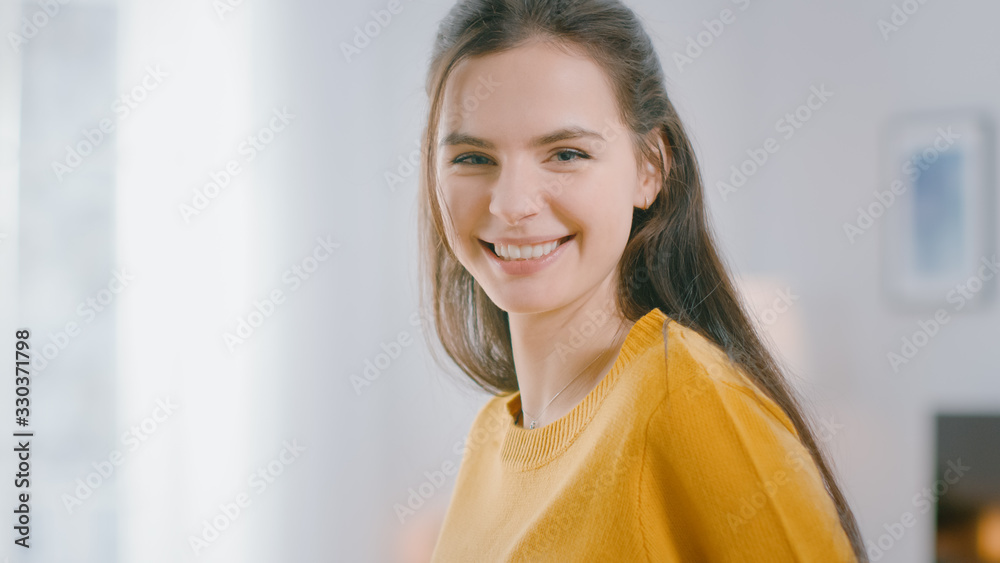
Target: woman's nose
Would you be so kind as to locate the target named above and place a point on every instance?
(518, 193)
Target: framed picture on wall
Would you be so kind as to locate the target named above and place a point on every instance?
(936, 196)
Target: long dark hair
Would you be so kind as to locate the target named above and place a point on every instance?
(670, 260)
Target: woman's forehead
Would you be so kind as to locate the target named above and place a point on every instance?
(527, 90)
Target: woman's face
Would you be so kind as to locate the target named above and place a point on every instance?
(532, 159)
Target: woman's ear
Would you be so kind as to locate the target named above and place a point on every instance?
(654, 171)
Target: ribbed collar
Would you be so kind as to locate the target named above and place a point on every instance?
(524, 449)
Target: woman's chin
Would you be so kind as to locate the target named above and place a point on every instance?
(523, 303)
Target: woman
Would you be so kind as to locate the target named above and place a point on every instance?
(571, 272)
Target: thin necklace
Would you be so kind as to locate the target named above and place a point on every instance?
(534, 419)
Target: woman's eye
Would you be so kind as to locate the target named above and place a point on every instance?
(570, 153)
(464, 159)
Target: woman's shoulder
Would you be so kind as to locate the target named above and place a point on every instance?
(719, 450)
(495, 413)
(700, 375)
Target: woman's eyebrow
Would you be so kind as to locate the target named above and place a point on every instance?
(457, 138)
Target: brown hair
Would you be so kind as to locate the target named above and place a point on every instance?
(670, 260)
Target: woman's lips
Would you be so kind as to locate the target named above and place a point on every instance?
(522, 267)
(492, 248)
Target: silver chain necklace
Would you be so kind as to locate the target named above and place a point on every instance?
(534, 419)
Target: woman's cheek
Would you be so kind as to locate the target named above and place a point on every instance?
(458, 219)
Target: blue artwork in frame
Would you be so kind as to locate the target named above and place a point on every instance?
(939, 216)
(937, 234)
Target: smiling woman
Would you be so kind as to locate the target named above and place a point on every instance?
(570, 271)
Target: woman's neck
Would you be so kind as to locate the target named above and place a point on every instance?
(553, 348)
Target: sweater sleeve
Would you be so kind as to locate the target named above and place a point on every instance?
(736, 483)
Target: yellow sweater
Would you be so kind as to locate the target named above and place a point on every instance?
(680, 460)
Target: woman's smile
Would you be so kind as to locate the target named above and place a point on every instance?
(525, 259)
(515, 250)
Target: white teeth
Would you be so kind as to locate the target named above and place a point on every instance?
(511, 252)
